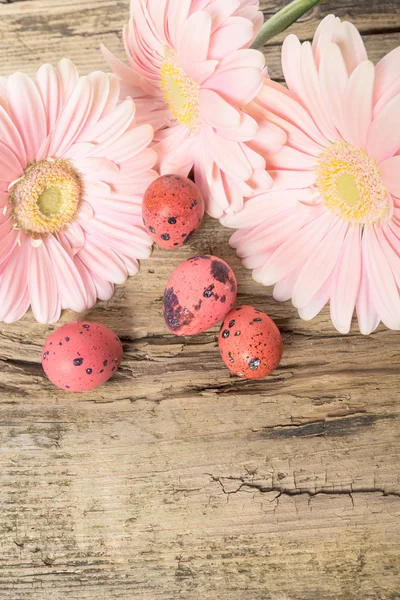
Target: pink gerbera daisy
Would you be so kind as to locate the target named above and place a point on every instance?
(329, 230)
(191, 73)
(73, 169)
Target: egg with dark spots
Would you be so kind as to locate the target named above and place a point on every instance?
(87, 358)
(199, 294)
(250, 343)
(173, 210)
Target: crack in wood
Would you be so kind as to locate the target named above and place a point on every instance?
(280, 491)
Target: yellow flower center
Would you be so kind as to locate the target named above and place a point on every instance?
(350, 184)
(180, 92)
(46, 199)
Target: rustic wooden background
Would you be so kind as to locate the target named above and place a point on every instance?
(177, 480)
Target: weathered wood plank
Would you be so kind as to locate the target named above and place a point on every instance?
(176, 479)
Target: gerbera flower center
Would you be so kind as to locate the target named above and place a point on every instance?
(46, 199)
(180, 92)
(350, 184)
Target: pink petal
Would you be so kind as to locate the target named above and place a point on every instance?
(390, 173)
(387, 79)
(263, 207)
(113, 96)
(284, 288)
(391, 248)
(177, 16)
(10, 136)
(3, 93)
(319, 265)
(387, 71)
(346, 281)
(302, 78)
(19, 311)
(296, 250)
(256, 261)
(120, 69)
(312, 93)
(14, 281)
(292, 180)
(260, 181)
(225, 83)
(141, 163)
(384, 291)
(104, 288)
(70, 285)
(255, 159)
(291, 51)
(323, 36)
(75, 237)
(8, 240)
(176, 150)
(202, 71)
(333, 81)
(130, 144)
(10, 167)
(49, 87)
(103, 262)
(68, 76)
(242, 58)
(269, 139)
(130, 229)
(221, 10)
(217, 111)
(281, 103)
(208, 177)
(27, 111)
(351, 45)
(296, 138)
(229, 157)
(100, 83)
(357, 104)
(245, 132)
(233, 193)
(393, 91)
(42, 285)
(314, 307)
(384, 135)
(131, 264)
(72, 118)
(236, 33)
(195, 40)
(368, 318)
(87, 279)
(289, 158)
(270, 234)
(95, 168)
(111, 127)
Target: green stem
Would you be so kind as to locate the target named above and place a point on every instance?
(282, 20)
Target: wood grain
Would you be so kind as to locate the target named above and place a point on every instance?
(177, 480)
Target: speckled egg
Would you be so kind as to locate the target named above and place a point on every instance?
(250, 343)
(173, 209)
(199, 293)
(79, 357)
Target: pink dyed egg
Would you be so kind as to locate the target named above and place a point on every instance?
(173, 209)
(199, 293)
(79, 357)
(250, 343)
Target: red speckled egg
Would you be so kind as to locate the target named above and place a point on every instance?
(199, 293)
(250, 343)
(173, 209)
(79, 357)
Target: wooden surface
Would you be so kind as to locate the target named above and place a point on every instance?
(176, 480)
